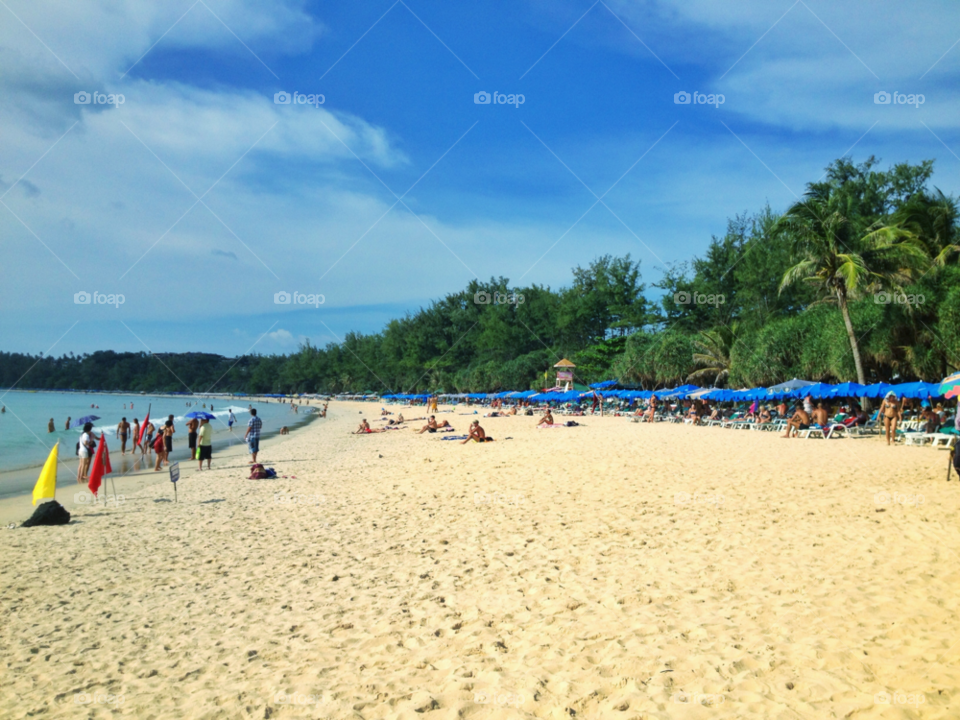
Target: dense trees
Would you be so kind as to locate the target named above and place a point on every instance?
(859, 280)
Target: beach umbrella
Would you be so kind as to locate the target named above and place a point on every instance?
(848, 389)
(84, 420)
(876, 390)
(920, 390)
(200, 415)
(950, 386)
(816, 391)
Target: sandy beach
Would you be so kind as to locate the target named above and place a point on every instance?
(612, 570)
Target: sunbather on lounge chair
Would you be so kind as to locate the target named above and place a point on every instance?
(764, 416)
(799, 421)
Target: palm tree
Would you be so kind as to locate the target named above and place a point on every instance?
(713, 360)
(842, 259)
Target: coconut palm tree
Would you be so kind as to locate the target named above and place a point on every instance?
(713, 358)
(844, 260)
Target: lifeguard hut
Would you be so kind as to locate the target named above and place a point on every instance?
(564, 373)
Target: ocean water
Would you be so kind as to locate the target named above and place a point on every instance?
(26, 443)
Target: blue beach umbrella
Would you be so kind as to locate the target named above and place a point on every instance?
(84, 420)
(200, 415)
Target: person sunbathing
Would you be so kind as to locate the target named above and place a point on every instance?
(799, 421)
(477, 433)
(432, 425)
(547, 419)
(764, 416)
(513, 410)
(364, 427)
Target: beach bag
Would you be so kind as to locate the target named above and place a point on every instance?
(572, 423)
(257, 472)
(48, 513)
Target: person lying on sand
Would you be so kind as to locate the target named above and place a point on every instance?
(547, 419)
(477, 433)
(513, 410)
(432, 425)
(799, 421)
(398, 421)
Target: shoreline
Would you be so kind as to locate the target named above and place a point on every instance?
(16, 504)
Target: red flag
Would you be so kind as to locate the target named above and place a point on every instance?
(143, 428)
(101, 465)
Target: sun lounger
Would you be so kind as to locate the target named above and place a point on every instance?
(812, 431)
(913, 438)
(942, 440)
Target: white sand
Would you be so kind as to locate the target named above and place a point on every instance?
(613, 570)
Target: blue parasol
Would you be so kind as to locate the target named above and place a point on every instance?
(200, 415)
(80, 422)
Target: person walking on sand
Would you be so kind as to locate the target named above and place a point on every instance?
(891, 412)
(123, 428)
(252, 435)
(205, 439)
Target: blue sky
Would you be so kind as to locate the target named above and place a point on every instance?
(200, 198)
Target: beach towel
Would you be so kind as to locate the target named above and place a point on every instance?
(455, 437)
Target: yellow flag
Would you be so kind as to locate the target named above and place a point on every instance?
(47, 482)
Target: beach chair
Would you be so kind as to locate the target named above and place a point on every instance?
(811, 432)
(913, 438)
(942, 440)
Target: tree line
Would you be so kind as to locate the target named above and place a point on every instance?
(857, 280)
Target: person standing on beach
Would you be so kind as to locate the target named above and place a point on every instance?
(252, 435)
(231, 420)
(160, 446)
(123, 428)
(148, 437)
(205, 437)
(50, 426)
(168, 431)
(136, 436)
(192, 426)
(890, 411)
(85, 452)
